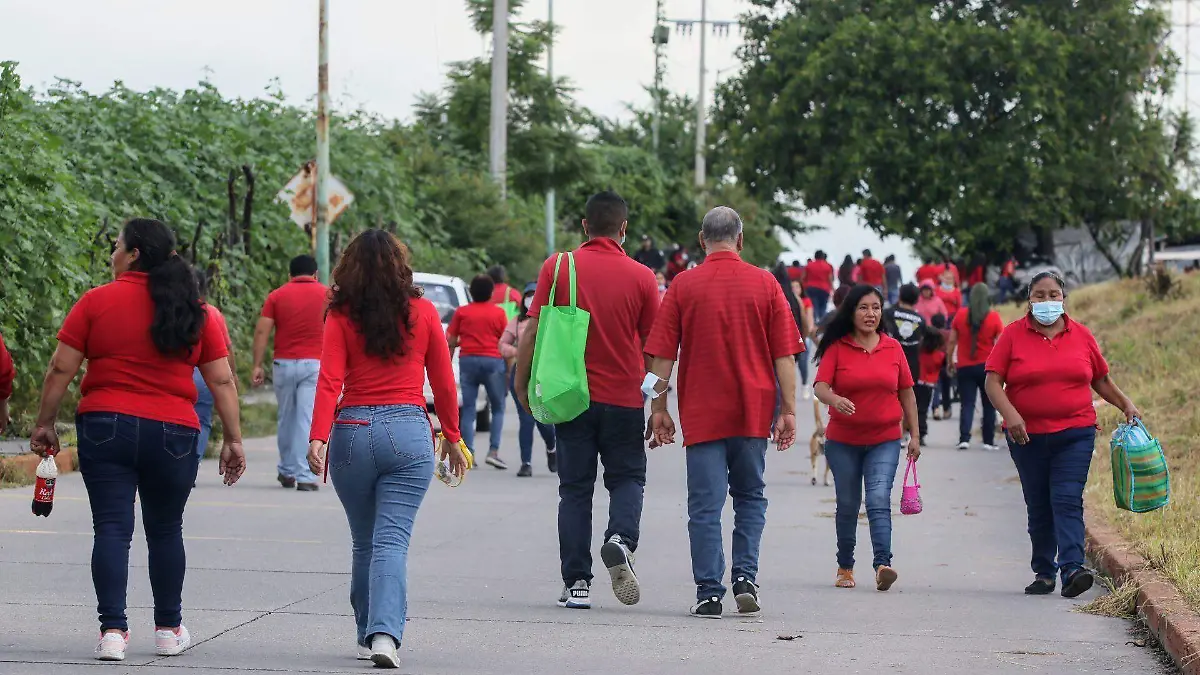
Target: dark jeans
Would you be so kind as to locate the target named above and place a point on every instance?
(121, 457)
(970, 383)
(943, 394)
(733, 465)
(924, 394)
(616, 436)
(802, 364)
(820, 301)
(853, 467)
(527, 424)
(1007, 287)
(1053, 470)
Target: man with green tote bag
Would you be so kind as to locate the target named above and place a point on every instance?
(619, 297)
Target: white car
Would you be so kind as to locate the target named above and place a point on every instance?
(448, 294)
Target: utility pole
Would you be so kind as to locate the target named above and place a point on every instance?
(661, 35)
(550, 206)
(700, 130)
(322, 224)
(498, 145)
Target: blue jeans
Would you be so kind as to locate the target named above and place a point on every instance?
(802, 365)
(295, 391)
(1053, 469)
(527, 422)
(486, 371)
(820, 301)
(615, 436)
(204, 410)
(121, 457)
(970, 383)
(893, 295)
(1007, 287)
(852, 467)
(381, 463)
(733, 465)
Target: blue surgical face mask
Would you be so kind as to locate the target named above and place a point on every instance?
(1046, 313)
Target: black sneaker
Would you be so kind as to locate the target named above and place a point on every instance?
(552, 461)
(307, 487)
(286, 481)
(707, 609)
(1077, 583)
(576, 596)
(1040, 586)
(745, 594)
(525, 471)
(619, 561)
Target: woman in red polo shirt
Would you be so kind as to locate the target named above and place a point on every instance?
(476, 329)
(973, 333)
(381, 338)
(142, 336)
(864, 378)
(1040, 377)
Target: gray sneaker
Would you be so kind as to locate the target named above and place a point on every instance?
(619, 561)
(576, 596)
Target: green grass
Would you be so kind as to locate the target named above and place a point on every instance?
(258, 419)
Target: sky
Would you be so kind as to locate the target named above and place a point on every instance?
(383, 53)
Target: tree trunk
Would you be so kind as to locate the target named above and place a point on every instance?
(231, 219)
(247, 207)
(1094, 230)
(1045, 242)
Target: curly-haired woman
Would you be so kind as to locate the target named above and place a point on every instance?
(381, 338)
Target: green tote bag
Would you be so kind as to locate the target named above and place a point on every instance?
(558, 383)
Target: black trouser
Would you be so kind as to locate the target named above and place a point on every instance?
(924, 394)
(616, 436)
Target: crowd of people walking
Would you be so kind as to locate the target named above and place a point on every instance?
(350, 362)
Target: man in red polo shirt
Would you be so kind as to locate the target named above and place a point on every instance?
(502, 293)
(622, 297)
(296, 312)
(7, 374)
(738, 337)
(871, 271)
(818, 284)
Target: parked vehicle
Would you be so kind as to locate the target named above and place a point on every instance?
(448, 294)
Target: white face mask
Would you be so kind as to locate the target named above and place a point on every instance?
(650, 386)
(529, 303)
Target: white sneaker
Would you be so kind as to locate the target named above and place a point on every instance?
(806, 393)
(112, 646)
(364, 653)
(169, 642)
(964, 446)
(383, 651)
(576, 596)
(991, 447)
(619, 561)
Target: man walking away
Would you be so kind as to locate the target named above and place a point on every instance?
(891, 272)
(649, 255)
(871, 271)
(904, 323)
(296, 312)
(501, 291)
(818, 284)
(737, 336)
(622, 297)
(204, 397)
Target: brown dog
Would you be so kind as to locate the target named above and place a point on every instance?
(816, 445)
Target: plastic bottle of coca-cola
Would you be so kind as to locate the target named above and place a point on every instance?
(43, 489)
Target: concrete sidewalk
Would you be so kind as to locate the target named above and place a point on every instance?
(268, 578)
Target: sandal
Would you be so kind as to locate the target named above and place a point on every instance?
(845, 578)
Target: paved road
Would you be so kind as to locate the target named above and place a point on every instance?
(267, 584)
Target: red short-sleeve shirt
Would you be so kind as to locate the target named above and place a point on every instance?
(7, 372)
(819, 275)
(871, 272)
(1049, 380)
(298, 309)
(622, 297)
(505, 293)
(479, 327)
(728, 321)
(126, 373)
(216, 315)
(989, 332)
(872, 381)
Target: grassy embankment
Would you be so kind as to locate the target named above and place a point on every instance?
(1154, 350)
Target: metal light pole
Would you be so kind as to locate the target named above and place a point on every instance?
(661, 35)
(700, 99)
(322, 220)
(498, 144)
(550, 196)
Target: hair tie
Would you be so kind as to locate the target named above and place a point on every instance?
(174, 254)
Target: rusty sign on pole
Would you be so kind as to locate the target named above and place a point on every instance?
(300, 196)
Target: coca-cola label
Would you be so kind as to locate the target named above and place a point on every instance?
(44, 490)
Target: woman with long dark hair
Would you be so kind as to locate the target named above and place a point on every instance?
(800, 312)
(142, 335)
(846, 272)
(864, 378)
(974, 331)
(508, 349)
(381, 339)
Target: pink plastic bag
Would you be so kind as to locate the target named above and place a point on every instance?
(910, 495)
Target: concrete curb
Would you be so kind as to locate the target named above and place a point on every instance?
(26, 464)
(1159, 603)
